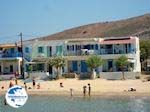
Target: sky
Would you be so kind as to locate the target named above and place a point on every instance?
(37, 18)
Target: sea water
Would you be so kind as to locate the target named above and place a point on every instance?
(81, 104)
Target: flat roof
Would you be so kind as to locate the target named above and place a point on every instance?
(10, 45)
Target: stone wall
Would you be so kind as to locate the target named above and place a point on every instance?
(118, 75)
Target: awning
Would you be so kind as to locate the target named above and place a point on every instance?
(117, 41)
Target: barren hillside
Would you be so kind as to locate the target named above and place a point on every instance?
(139, 26)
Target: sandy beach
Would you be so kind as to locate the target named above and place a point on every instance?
(98, 87)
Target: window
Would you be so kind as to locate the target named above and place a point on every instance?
(40, 67)
(68, 47)
(79, 47)
(27, 49)
(19, 49)
(72, 47)
(96, 46)
(92, 47)
(12, 50)
(40, 49)
(59, 50)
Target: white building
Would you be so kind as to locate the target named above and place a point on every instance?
(76, 52)
(10, 60)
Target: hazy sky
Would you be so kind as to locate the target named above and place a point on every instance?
(35, 18)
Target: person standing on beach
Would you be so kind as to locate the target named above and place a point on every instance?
(84, 90)
(38, 86)
(16, 81)
(10, 84)
(71, 92)
(89, 92)
(25, 86)
(33, 82)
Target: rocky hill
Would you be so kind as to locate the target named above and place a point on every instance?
(139, 26)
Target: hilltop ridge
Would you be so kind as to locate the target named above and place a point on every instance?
(136, 26)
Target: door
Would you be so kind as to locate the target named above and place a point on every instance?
(0, 69)
(83, 67)
(50, 69)
(11, 68)
(110, 65)
(49, 51)
(109, 49)
(74, 66)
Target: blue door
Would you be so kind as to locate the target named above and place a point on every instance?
(74, 66)
(83, 66)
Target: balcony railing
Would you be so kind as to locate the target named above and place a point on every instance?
(97, 52)
(111, 51)
(84, 52)
(9, 55)
(81, 52)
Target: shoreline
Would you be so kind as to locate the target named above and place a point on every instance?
(80, 94)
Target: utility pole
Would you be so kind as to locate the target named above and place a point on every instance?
(22, 64)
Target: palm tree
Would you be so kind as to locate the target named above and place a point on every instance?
(93, 62)
(122, 62)
(57, 62)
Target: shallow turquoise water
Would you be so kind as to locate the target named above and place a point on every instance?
(80, 104)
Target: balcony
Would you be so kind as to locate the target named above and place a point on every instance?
(82, 52)
(9, 55)
(111, 51)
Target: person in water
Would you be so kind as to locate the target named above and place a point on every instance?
(5, 102)
(71, 92)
